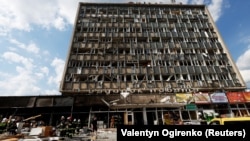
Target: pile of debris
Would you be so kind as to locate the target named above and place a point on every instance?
(7, 137)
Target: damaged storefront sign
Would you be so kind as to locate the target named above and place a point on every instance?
(145, 90)
(218, 98)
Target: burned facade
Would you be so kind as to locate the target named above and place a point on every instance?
(139, 59)
(141, 63)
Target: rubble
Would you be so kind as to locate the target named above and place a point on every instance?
(38, 134)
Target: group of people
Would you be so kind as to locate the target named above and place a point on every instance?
(8, 125)
(68, 127)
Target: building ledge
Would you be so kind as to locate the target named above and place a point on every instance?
(150, 105)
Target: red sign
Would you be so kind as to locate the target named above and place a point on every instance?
(235, 97)
(246, 96)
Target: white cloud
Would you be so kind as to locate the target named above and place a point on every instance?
(243, 60)
(58, 14)
(27, 79)
(31, 47)
(16, 58)
(215, 8)
(245, 39)
(60, 23)
(21, 15)
(23, 81)
(45, 70)
(58, 65)
(67, 9)
(244, 66)
(21, 84)
(42, 72)
(245, 75)
(39, 75)
(197, 2)
(4, 75)
(51, 92)
(12, 49)
(10, 17)
(152, 1)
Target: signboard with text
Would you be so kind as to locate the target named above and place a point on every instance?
(184, 97)
(168, 99)
(246, 96)
(218, 97)
(235, 97)
(201, 98)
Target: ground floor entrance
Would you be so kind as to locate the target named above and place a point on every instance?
(136, 116)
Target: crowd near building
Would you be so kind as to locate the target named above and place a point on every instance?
(142, 64)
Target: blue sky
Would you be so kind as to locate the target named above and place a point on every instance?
(35, 37)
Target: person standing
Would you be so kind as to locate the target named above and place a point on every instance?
(78, 126)
(94, 125)
(68, 125)
(112, 122)
(12, 127)
(61, 127)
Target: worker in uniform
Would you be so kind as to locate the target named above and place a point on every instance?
(68, 126)
(78, 126)
(12, 127)
(74, 124)
(3, 126)
(61, 127)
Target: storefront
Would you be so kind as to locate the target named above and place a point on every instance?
(189, 107)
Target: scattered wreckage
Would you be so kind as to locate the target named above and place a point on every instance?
(39, 133)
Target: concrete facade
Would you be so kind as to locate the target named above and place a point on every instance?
(139, 53)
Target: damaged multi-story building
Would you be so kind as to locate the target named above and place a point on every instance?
(141, 60)
(141, 63)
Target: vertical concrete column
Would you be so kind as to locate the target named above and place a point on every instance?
(144, 113)
(156, 117)
(162, 117)
(89, 122)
